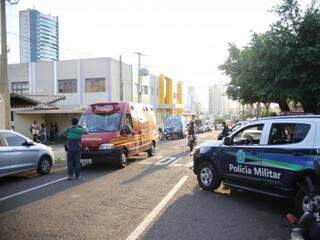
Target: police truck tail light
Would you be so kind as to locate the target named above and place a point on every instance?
(291, 218)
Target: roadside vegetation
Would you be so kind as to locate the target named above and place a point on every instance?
(281, 65)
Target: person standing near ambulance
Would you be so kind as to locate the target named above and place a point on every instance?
(73, 147)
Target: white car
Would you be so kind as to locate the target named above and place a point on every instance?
(19, 154)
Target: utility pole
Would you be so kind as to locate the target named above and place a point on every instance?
(121, 78)
(139, 76)
(4, 88)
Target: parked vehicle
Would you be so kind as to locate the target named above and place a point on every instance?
(238, 125)
(118, 130)
(308, 226)
(270, 156)
(19, 154)
(175, 127)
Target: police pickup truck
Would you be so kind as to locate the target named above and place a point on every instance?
(270, 156)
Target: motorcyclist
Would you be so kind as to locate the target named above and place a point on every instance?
(191, 130)
(225, 131)
(191, 135)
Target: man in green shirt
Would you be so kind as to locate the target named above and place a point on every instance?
(74, 134)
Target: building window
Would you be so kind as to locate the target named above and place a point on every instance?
(95, 85)
(20, 87)
(151, 90)
(67, 85)
(145, 89)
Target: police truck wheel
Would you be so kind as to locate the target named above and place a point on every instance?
(207, 177)
(151, 151)
(123, 161)
(44, 166)
(300, 201)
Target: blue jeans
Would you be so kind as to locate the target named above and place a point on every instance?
(73, 158)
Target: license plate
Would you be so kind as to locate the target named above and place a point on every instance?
(85, 162)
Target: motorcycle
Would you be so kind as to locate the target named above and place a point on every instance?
(308, 226)
(162, 134)
(192, 141)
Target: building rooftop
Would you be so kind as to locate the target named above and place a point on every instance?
(21, 102)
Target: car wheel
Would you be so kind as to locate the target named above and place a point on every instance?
(123, 161)
(207, 177)
(44, 166)
(151, 151)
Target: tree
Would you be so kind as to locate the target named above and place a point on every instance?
(281, 65)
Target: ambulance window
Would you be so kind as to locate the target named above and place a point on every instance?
(288, 133)
(128, 120)
(248, 136)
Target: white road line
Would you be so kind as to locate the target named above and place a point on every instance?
(190, 164)
(175, 164)
(144, 224)
(165, 161)
(32, 189)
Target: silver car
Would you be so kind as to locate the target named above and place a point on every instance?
(19, 153)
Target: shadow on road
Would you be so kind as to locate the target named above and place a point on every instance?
(222, 215)
(24, 181)
(152, 168)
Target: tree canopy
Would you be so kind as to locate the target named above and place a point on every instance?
(281, 65)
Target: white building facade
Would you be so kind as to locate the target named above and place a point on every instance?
(82, 81)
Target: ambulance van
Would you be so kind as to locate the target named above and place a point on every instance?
(118, 130)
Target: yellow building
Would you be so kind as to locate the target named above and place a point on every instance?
(170, 98)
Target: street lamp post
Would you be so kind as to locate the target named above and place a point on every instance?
(139, 76)
(4, 89)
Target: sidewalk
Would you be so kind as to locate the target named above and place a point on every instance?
(58, 151)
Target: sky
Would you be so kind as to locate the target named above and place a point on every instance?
(185, 39)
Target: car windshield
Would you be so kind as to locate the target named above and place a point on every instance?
(101, 122)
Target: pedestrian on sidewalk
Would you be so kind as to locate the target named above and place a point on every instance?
(56, 132)
(73, 148)
(51, 133)
(34, 129)
(43, 134)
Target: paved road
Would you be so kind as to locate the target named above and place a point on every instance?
(153, 198)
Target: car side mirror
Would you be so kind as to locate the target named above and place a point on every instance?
(28, 143)
(126, 130)
(227, 141)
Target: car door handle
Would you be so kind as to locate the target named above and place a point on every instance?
(297, 153)
(254, 153)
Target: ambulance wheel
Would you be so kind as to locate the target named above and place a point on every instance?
(207, 177)
(151, 151)
(123, 161)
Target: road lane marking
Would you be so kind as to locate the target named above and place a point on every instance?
(165, 161)
(152, 215)
(149, 160)
(175, 164)
(190, 164)
(31, 189)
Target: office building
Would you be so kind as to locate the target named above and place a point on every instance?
(39, 36)
(216, 100)
(61, 89)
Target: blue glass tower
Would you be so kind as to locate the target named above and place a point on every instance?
(39, 36)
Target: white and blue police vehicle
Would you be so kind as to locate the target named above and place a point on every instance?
(270, 156)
